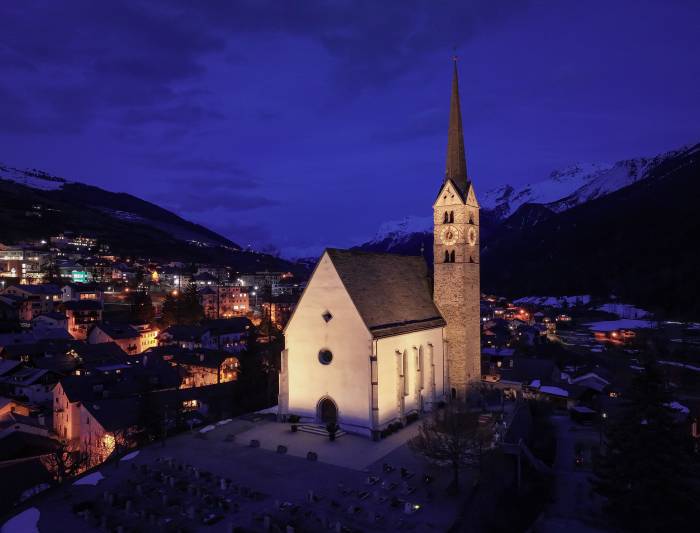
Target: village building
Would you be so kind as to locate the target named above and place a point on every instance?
(33, 300)
(125, 336)
(370, 344)
(80, 291)
(82, 315)
(200, 367)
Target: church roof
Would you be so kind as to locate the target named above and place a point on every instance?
(391, 292)
(456, 164)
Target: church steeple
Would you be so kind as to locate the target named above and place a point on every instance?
(456, 167)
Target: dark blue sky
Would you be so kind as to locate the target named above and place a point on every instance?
(304, 124)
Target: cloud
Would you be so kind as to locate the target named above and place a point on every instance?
(188, 201)
(92, 59)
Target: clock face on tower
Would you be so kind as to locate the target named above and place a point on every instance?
(471, 236)
(448, 235)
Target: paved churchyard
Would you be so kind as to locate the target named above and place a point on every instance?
(215, 481)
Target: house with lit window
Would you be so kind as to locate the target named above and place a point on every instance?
(125, 336)
(34, 385)
(227, 334)
(53, 320)
(201, 367)
(82, 315)
(34, 300)
(79, 291)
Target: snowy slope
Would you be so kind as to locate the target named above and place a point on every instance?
(561, 190)
(578, 184)
(36, 179)
(394, 233)
(505, 200)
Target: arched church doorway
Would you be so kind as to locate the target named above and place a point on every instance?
(327, 411)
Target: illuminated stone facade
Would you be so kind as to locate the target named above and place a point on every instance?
(457, 289)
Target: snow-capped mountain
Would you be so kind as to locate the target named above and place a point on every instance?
(395, 233)
(36, 179)
(51, 194)
(577, 184)
(561, 190)
(505, 200)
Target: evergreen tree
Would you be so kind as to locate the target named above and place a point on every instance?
(51, 272)
(646, 470)
(170, 314)
(141, 307)
(192, 311)
(183, 308)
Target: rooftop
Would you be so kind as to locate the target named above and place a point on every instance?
(391, 292)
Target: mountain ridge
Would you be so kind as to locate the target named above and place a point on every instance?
(36, 205)
(563, 189)
(600, 241)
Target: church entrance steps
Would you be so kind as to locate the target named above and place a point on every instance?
(318, 429)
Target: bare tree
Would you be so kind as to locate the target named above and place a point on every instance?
(66, 460)
(453, 435)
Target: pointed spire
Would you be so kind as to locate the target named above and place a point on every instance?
(456, 168)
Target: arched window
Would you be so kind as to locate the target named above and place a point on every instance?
(452, 216)
(471, 259)
(447, 256)
(452, 256)
(446, 218)
(471, 218)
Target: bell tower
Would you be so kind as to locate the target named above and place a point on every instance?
(457, 291)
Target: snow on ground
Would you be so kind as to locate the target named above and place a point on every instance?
(623, 323)
(678, 407)
(130, 456)
(207, 429)
(623, 310)
(24, 522)
(267, 411)
(555, 301)
(35, 179)
(224, 422)
(90, 479)
(555, 391)
(681, 365)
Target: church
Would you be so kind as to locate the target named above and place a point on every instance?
(372, 340)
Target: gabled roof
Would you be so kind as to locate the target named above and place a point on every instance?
(184, 333)
(45, 288)
(115, 414)
(28, 376)
(222, 326)
(118, 331)
(84, 287)
(202, 358)
(83, 305)
(204, 276)
(391, 292)
(526, 370)
(206, 290)
(7, 366)
(53, 315)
